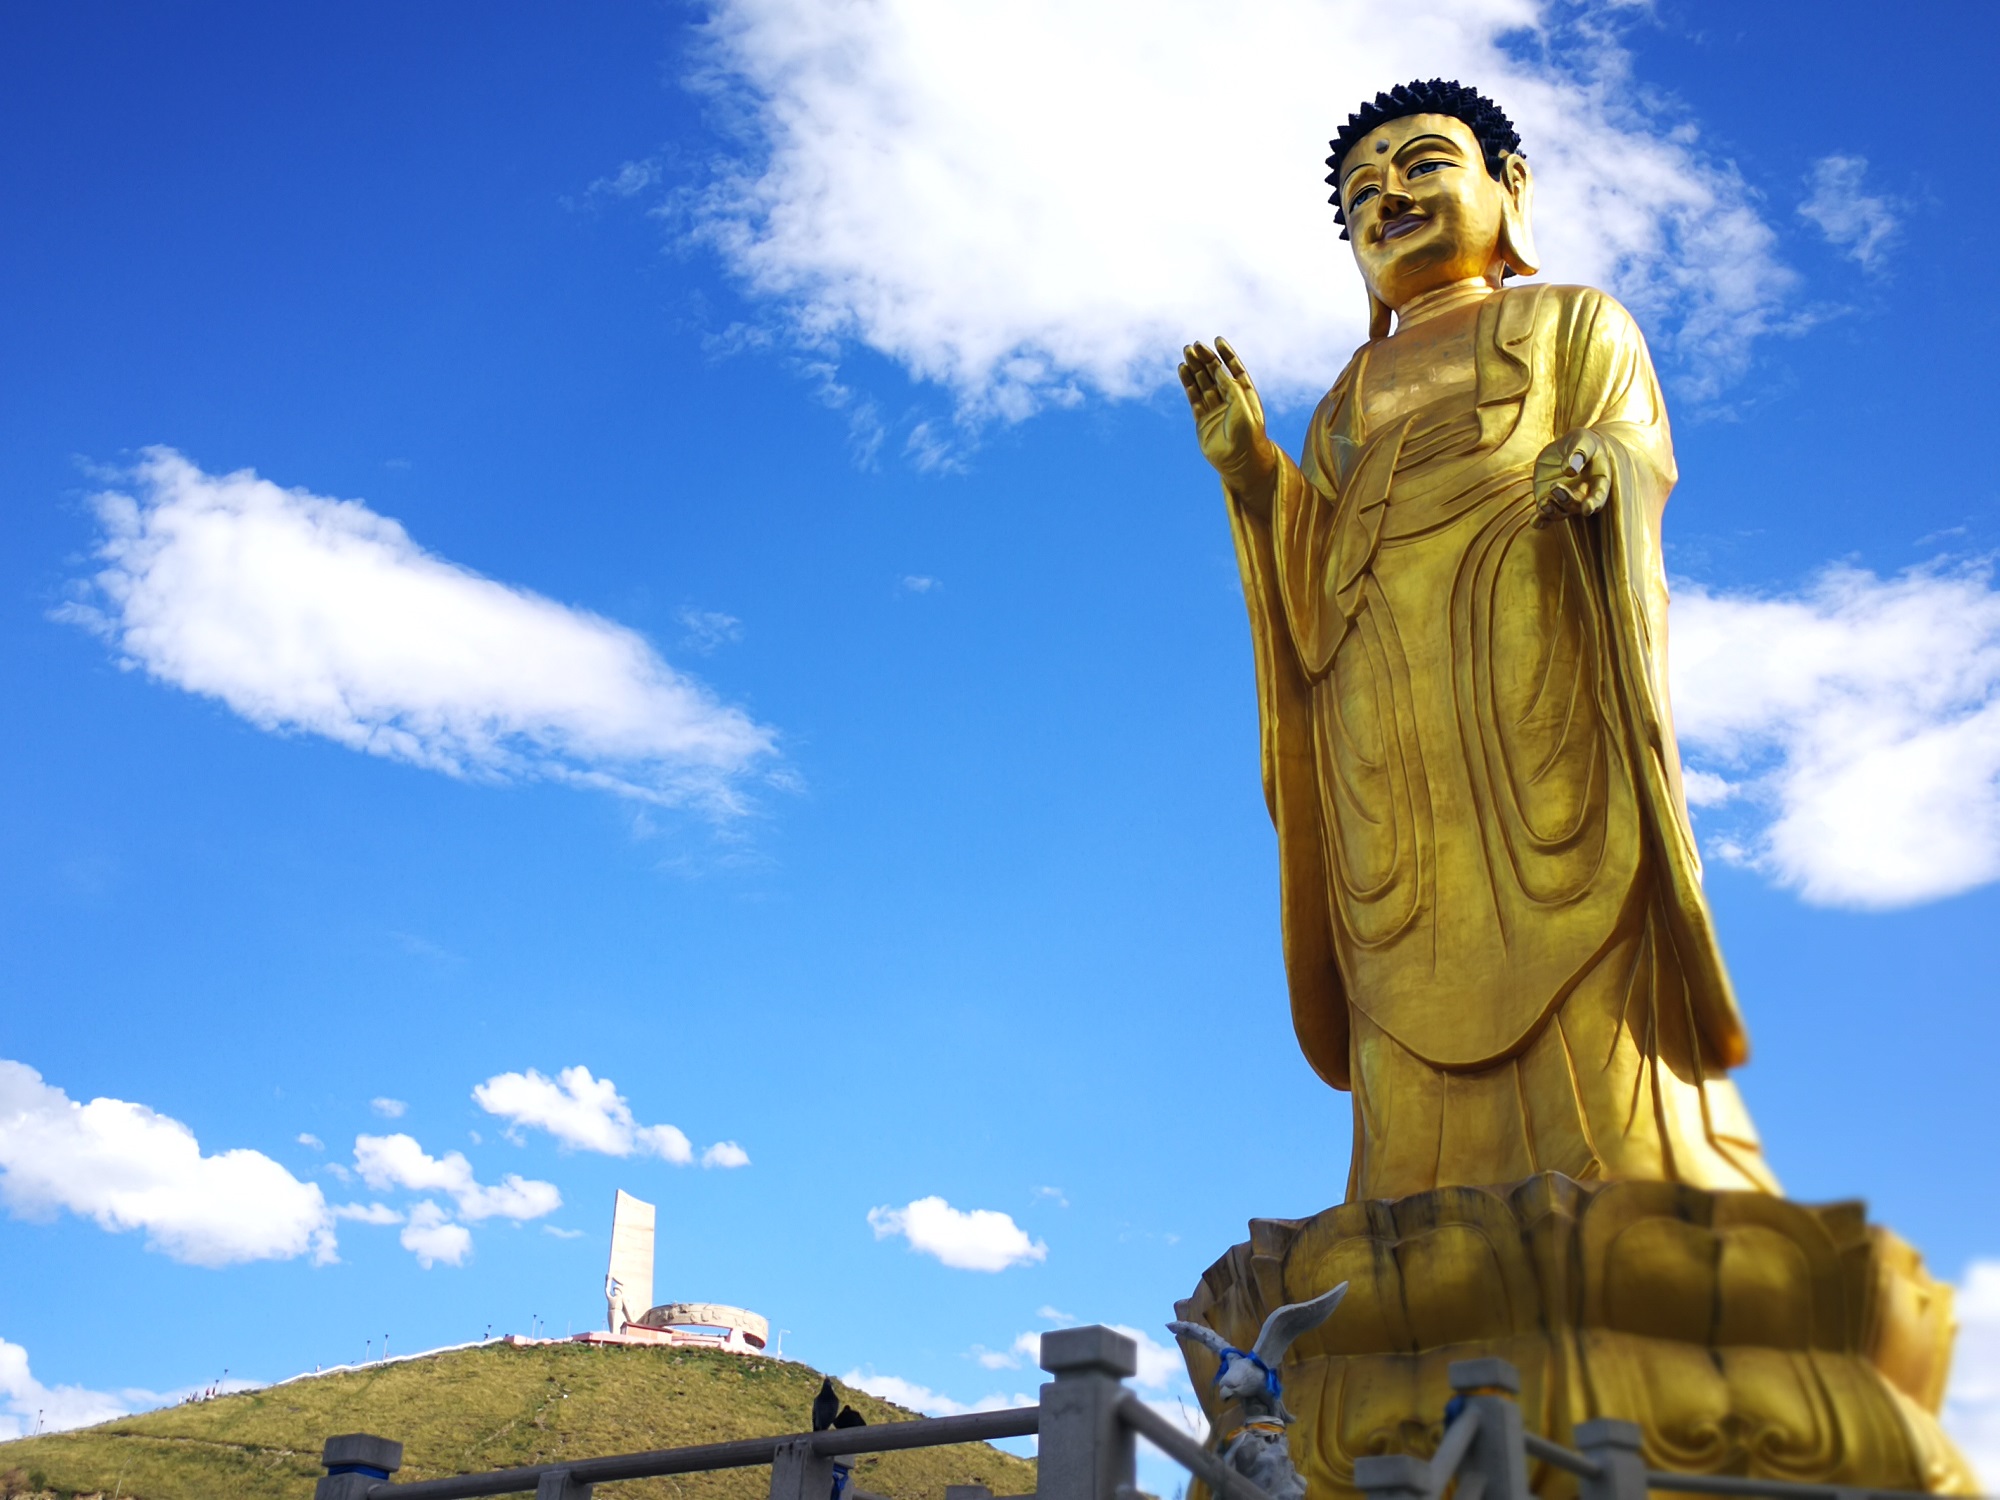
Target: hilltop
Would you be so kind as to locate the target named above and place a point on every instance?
(490, 1407)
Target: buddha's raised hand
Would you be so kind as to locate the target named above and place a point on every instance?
(1228, 416)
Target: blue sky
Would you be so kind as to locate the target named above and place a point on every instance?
(783, 653)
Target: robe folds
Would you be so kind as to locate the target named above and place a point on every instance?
(1494, 928)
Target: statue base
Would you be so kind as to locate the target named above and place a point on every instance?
(1744, 1334)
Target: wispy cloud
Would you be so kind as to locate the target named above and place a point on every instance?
(1845, 738)
(129, 1167)
(397, 1161)
(314, 615)
(933, 451)
(1024, 1352)
(921, 1398)
(908, 192)
(1859, 224)
(709, 628)
(387, 1108)
(979, 1239)
(1160, 1365)
(589, 1114)
(631, 178)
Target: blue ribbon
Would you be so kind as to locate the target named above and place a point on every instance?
(1270, 1375)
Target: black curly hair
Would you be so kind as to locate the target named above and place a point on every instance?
(1486, 120)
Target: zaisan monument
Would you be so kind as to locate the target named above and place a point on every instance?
(1493, 921)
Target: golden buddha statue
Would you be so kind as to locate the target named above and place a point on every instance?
(1494, 929)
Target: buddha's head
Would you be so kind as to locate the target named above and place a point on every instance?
(1431, 188)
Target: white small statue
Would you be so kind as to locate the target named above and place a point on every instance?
(1257, 1450)
(614, 1294)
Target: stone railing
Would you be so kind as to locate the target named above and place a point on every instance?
(1086, 1424)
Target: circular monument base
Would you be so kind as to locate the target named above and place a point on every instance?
(1744, 1334)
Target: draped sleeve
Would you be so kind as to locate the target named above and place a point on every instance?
(1273, 551)
(1607, 384)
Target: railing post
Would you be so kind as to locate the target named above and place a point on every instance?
(798, 1473)
(1498, 1455)
(1086, 1451)
(1614, 1447)
(1393, 1476)
(354, 1462)
(560, 1484)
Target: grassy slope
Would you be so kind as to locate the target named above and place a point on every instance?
(490, 1408)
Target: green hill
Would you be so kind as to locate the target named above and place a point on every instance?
(492, 1407)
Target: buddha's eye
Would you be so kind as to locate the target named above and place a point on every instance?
(1361, 197)
(1425, 168)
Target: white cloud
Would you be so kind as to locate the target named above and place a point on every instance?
(586, 1113)
(918, 583)
(562, 1234)
(1858, 224)
(397, 1161)
(1024, 1347)
(1184, 1412)
(433, 1238)
(1972, 1404)
(311, 1141)
(368, 1213)
(389, 1109)
(128, 1167)
(27, 1406)
(306, 614)
(1853, 729)
(725, 1154)
(921, 1398)
(979, 1240)
(1028, 199)
(1160, 1365)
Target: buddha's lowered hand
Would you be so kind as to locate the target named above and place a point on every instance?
(1572, 477)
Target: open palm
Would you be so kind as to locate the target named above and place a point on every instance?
(1228, 413)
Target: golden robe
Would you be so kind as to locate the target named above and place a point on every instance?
(1493, 921)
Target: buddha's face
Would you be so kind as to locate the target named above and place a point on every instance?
(1422, 211)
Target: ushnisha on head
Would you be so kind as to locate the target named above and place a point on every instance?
(1431, 189)
(1250, 1376)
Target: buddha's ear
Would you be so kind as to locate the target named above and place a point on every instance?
(1517, 231)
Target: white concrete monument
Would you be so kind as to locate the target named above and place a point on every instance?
(628, 1285)
(628, 1296)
